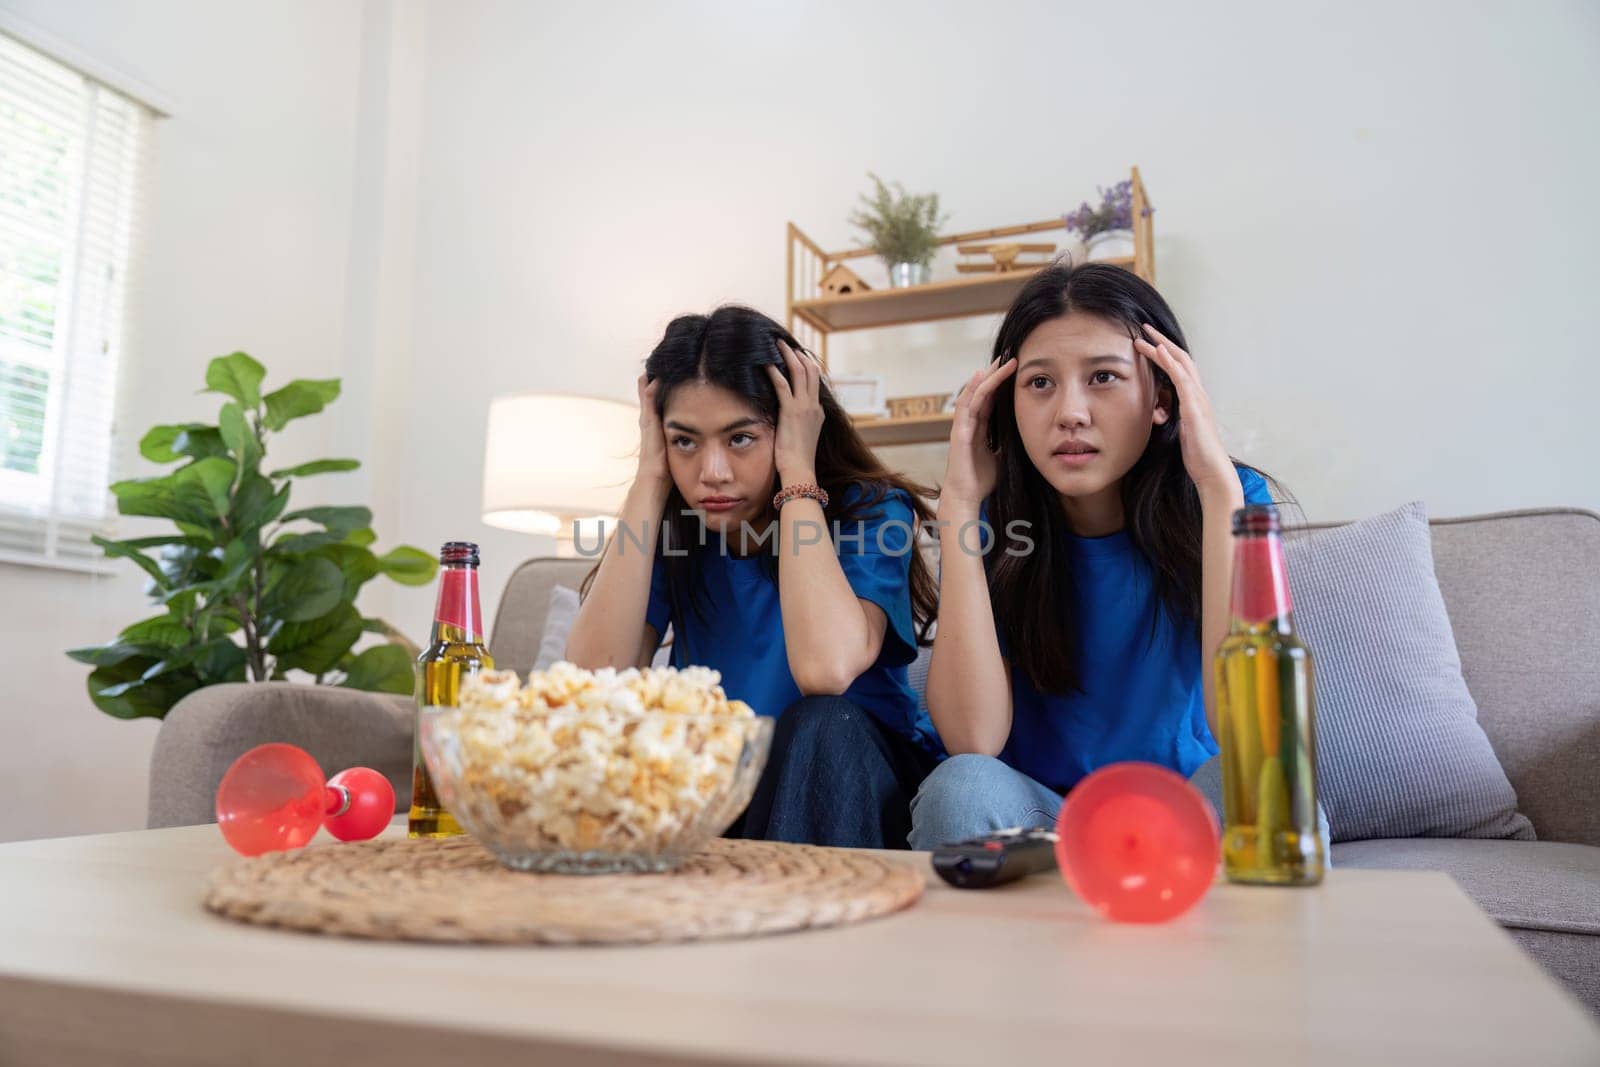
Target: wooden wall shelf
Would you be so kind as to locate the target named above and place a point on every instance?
(813, 315)
(956, 298)
(916, 430)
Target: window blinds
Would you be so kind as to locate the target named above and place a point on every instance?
(73, 154)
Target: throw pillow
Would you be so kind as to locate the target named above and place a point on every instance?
(1399, 749)
(558, 620)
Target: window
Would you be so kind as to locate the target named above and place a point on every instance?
(72, 155)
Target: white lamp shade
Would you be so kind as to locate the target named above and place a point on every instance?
(550, 459)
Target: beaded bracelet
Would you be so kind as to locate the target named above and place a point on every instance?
(804, 490)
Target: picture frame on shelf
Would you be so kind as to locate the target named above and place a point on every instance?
(860, 394)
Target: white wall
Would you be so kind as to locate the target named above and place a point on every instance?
(249, 248)
(1374, 220)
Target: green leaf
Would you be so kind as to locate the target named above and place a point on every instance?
(250, 503)
(112, 654)
(299, 398)
(140, 688)
(381, 669)
(130, 550)
(163, 631)
(156, 497)
(182, 602)
(240, 439)
(299, 544)
(202, 487)
(358, 565)
(238, 376)
(360, 538)
(379, 626)
(339, 520)
(221, 661)
(157, 444)
(321, 466)
(408, 565)
(201, 442)
(237, 561)
(182, 565)
(318, 645)
(162, 542)
(311, 588)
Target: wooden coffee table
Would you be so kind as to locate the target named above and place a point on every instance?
(106, 957)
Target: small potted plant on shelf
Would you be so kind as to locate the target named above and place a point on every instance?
(1107, 230)
(902, 228)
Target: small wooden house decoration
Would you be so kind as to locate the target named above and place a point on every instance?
(841, 280)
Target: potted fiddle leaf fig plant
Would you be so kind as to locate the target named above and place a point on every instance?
(246, 589)
(903, 229)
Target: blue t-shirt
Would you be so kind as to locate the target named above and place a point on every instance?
(740, 632)
(1142, 695)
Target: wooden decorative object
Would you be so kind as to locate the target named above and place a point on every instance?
(1004, 257)
(910, 407)
(453, 889)
(841, 280)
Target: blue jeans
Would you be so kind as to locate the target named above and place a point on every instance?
(971, 795)
(835, 776)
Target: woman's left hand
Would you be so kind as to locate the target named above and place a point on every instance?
(1204, 455)
(799, 415)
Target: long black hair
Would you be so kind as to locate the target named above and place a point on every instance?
(1032, 592)
(731, 348)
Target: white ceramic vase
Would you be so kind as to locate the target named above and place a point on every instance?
(1110, 244)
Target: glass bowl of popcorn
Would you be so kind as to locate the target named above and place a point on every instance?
(595, 772)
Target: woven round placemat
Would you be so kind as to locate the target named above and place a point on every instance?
(453, 889)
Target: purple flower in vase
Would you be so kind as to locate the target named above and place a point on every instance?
(1115, 212)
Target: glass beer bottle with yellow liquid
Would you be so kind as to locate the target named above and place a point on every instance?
(1266, 716)
(455, 651)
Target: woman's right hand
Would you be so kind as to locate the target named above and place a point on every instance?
(971, 470)
(653, 470)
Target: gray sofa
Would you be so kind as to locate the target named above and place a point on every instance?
(1523, 593)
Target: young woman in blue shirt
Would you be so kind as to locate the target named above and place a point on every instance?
(1083, 636)
(782, 553)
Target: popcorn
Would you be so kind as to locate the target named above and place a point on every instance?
(594, 761)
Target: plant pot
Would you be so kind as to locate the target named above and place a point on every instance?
(904, 275)
(1110, 244)
(1071, 249)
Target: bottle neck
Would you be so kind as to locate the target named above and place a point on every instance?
(457, 616)
(1260, 597)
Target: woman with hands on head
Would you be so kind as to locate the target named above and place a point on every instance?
(783, 554)
(1085, 558)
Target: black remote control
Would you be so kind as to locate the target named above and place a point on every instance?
(997, 858)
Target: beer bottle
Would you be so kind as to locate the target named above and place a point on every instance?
(1266, 715)
(455, 651)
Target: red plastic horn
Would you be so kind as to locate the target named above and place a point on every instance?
(1138, 843)
(274, 798)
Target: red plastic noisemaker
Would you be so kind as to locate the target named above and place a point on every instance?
(274, 798)
(1138, 843)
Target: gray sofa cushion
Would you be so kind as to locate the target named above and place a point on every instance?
(1399, 749)
(1547, 892)
(1536, 679)
(210, 728)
